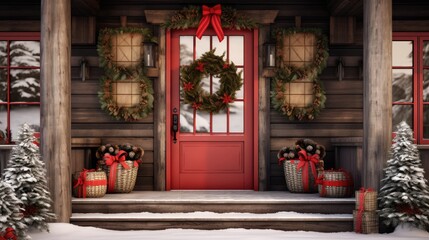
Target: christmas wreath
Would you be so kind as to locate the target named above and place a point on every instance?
(210, 64)
(287, 73)
(104, 48)
(279, 101)
(140, 110)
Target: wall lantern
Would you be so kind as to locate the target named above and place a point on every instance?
(269, 54)
(149, 54)
(84, 69)
(340, 69)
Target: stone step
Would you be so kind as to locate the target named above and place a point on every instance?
(290, 221)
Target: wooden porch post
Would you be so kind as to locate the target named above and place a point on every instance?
(377, 121)
(55, 102)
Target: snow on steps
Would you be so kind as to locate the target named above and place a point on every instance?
(215, 210)
(211, 220)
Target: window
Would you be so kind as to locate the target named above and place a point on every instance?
(19, 83)
(410, 83)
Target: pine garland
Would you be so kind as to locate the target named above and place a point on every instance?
(189, 17)
(137, 112)
(289, 73)
(210, 64)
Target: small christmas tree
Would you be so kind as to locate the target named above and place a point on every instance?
(404, 195)
(10, 211)
(26, 173)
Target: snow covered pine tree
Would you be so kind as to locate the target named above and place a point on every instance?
(10, 211)
(26, 173)
(404, 195)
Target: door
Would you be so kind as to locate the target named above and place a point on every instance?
(212, 150)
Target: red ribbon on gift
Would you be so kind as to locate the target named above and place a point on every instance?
(304, 161)
(9, 234)
(211, 15)
(361, 195)
(113, 162)
(81, 183)
(337, 183)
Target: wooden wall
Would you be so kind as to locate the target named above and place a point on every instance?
(343, 114)
(89, 121)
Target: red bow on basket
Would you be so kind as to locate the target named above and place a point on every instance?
(113, 162)
(304, 160)
(81, 183)
(211, 15)
(9, 234)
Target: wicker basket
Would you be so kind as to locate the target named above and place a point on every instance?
(294, 178)
(335, 183)
(370, 200)
(368, 222)
(125, 178)
(95, 181)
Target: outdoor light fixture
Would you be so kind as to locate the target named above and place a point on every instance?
(149, 54)
(269, 54)
(84, 69)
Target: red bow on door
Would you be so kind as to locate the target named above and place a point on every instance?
(211, 15)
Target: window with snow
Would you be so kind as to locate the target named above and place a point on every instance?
(19, 83)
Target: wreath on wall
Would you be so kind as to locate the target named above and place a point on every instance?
(192, 87)
(139, 110)
(288, 73)
(120, 53)
(109, 37)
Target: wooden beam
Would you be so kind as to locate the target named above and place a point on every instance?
(55, 102)
(377, 59)
(159, 117)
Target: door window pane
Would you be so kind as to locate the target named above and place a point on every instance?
(402, 53)
(236, 117)
(426, 53)
(25, 85)
(219, 46)
(20, 114)
(240, 92)
(426, 121)
(186, 120)
(402, 85)
(3, 53)
(202, 46)
(236, 50)
(186, 50)
(219, 122)
(202, 122)
(3, 85)
(25, 53)
(402, 113)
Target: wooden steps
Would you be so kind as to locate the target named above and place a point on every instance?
(215, 210)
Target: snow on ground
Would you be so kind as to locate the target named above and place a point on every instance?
(64, 231)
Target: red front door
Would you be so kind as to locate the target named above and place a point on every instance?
(213, 150)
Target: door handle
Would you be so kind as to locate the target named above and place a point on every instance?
(175, 127)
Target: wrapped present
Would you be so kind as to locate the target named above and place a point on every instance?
(121, 173)
(89, 184)
(366, 199)
(301, 173)
(335, 183)
(365, 221)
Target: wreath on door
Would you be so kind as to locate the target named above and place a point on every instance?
(209, 64)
